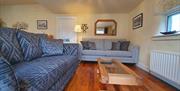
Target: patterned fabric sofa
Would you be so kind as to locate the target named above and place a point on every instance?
(50, 73)
(103, 50)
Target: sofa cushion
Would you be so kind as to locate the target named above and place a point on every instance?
(107, 53)
(124, 45)
(116, 45)
(108, 43)
(99, 43)
(42, 73)
(88, 45)
(9, 46)
(92, 45)
(85, 45)
(29, 43)
(8, 80)
(51, 47)
(118, 53)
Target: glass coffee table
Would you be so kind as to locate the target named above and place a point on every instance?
(114, 72)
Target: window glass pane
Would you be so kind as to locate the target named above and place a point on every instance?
(174, 22)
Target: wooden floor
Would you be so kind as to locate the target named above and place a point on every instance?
(87, 79)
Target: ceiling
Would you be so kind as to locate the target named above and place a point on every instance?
(81, 6)
(16, 2)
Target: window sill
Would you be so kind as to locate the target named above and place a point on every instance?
(170, 37)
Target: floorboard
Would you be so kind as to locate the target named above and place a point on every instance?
(86, 78)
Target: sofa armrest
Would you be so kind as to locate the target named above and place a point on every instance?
(8, 81)
(134, 49)
(71, 49)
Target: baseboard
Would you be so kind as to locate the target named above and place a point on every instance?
(143, 67)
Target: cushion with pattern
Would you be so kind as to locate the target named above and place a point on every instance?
(92, 45)
(116, 46)
(8, 80)
(85, 45)
(51, 47)
(9, 46)
(29, 43)
(124, 45)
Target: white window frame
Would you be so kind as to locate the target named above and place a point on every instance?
(171, 12)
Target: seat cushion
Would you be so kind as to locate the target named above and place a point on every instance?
(107, 53)
(9, 46)
(118, 53)
(8, 80)
(42, 73)
(29, 43)
(94, 52)
(51, 47)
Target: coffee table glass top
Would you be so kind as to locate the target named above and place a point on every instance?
(114, 72)
(112, 67)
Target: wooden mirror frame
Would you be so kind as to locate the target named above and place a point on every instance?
(105, 20)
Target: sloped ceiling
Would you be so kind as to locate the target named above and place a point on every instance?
(81, 6)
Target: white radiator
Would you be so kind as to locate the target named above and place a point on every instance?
(166, 66)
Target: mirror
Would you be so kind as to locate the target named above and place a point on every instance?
(105, 27)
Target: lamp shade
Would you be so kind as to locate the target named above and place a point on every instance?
(77, 28)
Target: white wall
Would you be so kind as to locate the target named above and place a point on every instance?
(31, 13)
(152, 25)
(28, 14)
(121, 19)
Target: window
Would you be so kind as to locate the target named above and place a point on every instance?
(173, 22)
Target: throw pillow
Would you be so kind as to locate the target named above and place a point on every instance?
(9, 46)
(124, 45)
(52, 47)
(92, 45)
(7, 77)
(116, 45)
(85, 45)
(29, 43)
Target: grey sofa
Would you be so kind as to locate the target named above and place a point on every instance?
(103, 50)
(50, 73)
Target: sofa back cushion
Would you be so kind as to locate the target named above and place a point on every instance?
(92, 45)
(102, 44)
(116, 45)
(124, 45)
(51, 47)
(30, 45)
(99, 43)
(108, 43)
(85, 45)
(9, 46)
(8, 80)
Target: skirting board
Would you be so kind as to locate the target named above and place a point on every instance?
(176, 85)
(142, 66)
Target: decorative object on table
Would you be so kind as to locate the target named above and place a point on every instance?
(169, 32)
(20, 25)
(84, 27)
(2, 23)
(42, 24)
(138, 21)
